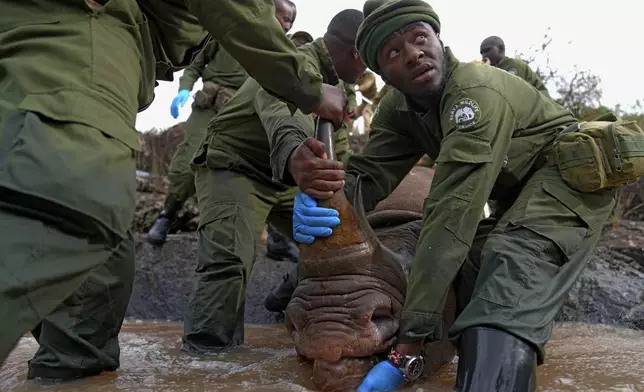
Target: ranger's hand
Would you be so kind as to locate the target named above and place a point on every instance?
(383, 377)
(311, 221)
(316, 175)
(333, 104)
(179, 100)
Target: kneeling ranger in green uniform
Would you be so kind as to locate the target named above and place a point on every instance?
(72, 76)
(235, 173)
(493, 48)
(222, 75)
(492, 136)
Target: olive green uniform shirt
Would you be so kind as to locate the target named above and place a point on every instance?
(521, 69)
(213, 64)
(349, 89)
(385, 89)
(484, 135)
(255, 132)
(132, 44)
(368, 87)
(251, 34)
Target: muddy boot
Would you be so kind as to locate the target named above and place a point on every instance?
(279, 298)
(490, 360)
(159, 230)
(280, 247)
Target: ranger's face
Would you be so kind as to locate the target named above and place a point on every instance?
(491, 52)
(285, 14)
(413, 60)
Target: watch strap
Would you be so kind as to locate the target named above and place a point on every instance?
(395, 357)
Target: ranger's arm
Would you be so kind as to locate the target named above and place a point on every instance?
(195, 70)
(248, 30)
(341, 144)
(285, 132)
(531, 77)
(388, 156)
(352, 104)
(477, 128)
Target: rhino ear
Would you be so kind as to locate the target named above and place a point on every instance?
(358, 208)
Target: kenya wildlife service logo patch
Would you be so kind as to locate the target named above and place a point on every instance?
(465, 113)
(513, 71)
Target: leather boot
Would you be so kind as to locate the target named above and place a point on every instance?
(159, 230)
(490, 360)
(278, 299)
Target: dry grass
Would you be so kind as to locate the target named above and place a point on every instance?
(158, 148)
(629, 205)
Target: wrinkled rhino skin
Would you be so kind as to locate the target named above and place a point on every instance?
(345, 309)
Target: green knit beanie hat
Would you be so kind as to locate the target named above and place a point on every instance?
(382, 18)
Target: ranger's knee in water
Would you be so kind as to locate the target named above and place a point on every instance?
(490, 360)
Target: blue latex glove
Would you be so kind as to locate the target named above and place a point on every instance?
(311, 221)
(383, 377)
(180, 99)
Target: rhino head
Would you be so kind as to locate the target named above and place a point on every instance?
(346, 308)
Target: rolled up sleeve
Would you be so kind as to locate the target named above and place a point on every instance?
(285, 132)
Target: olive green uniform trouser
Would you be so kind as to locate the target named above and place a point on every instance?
(233, 211)
(182, 179)
(67, 197)
(525, 259)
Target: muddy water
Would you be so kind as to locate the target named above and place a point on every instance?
(580, 358)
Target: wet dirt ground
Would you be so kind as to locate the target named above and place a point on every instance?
(580, 357)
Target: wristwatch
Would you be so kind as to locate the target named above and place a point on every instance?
(412, 366)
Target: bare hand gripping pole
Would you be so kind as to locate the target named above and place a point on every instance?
(347, 232)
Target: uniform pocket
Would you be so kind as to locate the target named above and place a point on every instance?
(544, 229)
(218, 159)
(466, 149)
(66, 173)
(226, 230)
(566, 221)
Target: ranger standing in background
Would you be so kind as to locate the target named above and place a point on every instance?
(73, 75)
(493, 49)
(237, 175)
(222, 75)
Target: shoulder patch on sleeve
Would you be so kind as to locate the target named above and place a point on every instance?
(464, 113)
(513, 71)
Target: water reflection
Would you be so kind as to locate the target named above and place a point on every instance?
(579, 358)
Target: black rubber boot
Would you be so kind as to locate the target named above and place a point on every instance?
(159, 230)
(490, 360)
(280, 247)
(278, 299)
(46, 373)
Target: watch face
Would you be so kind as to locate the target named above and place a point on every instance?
(414, 368)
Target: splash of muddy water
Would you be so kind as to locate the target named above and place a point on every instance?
(579, 358)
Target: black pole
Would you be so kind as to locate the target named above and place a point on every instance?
(324, 133)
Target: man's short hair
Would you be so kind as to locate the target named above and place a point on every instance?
(494, 41)
(344, 26)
